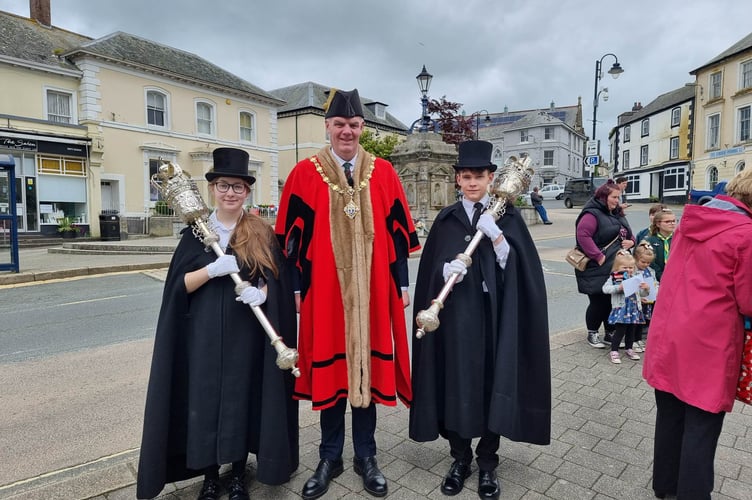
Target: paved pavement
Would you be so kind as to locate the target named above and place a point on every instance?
(602, 423)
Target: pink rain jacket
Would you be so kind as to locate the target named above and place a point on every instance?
(696, 333)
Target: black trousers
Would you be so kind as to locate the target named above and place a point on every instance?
(686, 438)
(626, 332)
(486, 449)
(332, 422)
(597, 312)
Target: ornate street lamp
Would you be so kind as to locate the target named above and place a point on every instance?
(486, 120)
(615, 71)
(424, 83)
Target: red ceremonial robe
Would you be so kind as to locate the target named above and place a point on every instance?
(352, 337)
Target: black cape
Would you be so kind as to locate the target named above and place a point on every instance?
(215, 392)
(465, 380)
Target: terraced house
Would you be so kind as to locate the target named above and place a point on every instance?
(88, 120)
(723, 124)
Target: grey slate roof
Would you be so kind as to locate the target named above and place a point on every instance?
(24, 39)
(124, 48)
(514, 120)
(662, 102)
(740, 46)
(312, 96)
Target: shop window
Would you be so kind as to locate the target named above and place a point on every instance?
(61, 166)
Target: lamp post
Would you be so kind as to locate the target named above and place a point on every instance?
(424, 83)
(477, 114)
(615, 71)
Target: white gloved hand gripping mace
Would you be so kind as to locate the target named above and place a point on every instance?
(512, 180)
(181, 194)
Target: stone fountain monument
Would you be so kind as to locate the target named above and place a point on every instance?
(424, 165)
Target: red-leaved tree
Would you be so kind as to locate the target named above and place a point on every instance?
(453, 126)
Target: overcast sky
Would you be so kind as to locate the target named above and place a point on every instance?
(483, 54)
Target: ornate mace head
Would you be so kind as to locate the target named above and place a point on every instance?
(180, 192)
(514, 177)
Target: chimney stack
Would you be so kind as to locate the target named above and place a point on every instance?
(39, 11)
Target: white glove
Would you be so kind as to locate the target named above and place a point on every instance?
(224, 265)
(251, 296)
(456, 266)
(502, 253)
(487, 225)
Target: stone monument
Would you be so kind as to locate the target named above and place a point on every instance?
(424, 165)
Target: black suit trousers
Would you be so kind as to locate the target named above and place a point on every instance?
(332, 421)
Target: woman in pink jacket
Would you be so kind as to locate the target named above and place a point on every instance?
(696, 338)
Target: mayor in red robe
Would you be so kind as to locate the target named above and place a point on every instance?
(350, 246)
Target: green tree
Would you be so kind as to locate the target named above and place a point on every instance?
(454, 127)
(381, 146)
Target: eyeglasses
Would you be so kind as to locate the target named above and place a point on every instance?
(223, 187)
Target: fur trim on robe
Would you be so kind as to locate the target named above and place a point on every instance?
(353, 238)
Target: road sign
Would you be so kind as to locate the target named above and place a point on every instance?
(591, 148)
(592, 160)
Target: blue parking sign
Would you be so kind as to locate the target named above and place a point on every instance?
(592, 160)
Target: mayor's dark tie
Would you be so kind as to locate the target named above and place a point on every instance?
(348, 172)
(476, 214)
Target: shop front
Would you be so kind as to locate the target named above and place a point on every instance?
(50, 182)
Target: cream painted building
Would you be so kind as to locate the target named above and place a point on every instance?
(301, 122)
(39, 125)
(149, 102)
(723, 116)
(88, 121)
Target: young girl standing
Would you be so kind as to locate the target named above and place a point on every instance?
(626, 313)
(661, 235)
(644, 256)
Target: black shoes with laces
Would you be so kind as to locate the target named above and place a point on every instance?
(454, 480)
(211, 490)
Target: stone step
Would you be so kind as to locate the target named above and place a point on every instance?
(127, 251)
(111, 249)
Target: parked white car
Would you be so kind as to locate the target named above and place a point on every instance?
(551, 192)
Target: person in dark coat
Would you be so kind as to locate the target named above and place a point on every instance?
(485, 372)
(215, 392)
(601, 230)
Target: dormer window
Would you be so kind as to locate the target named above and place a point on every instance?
(378, 109)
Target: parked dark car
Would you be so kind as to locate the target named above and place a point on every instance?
(578, 191)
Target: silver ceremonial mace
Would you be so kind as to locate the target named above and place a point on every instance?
(511, 180)
(182, 195)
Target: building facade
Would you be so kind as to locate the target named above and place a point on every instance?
(651, 146)
(88, 122)
(301, 122)
(553, 137)
(723, 124)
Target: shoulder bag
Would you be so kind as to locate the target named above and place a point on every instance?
(577, 258)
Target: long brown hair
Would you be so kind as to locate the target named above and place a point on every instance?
(253, 242)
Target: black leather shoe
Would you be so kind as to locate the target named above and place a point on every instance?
(454, 481)
(237, 488)
(318, 484)
(488, 485)
(374, 481)
(211, 490)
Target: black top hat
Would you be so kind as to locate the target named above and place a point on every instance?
(230, 162)
(475, 154)
(343, 103)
